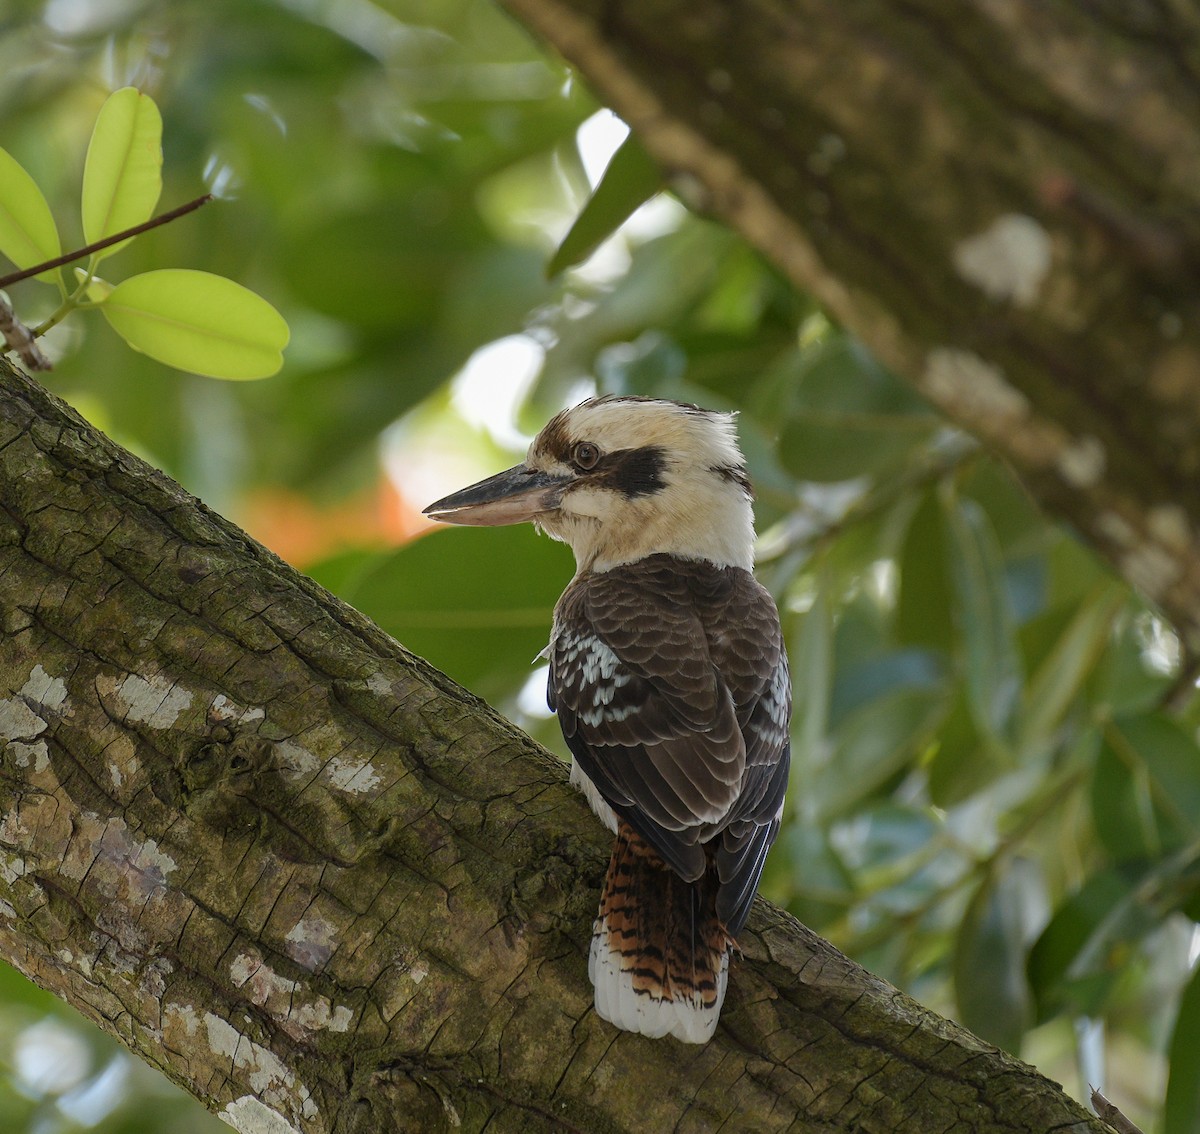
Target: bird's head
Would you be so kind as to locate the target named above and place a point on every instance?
(620, 478)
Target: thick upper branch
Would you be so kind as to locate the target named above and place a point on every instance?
(1003, 200)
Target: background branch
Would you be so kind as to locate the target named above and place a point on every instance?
(1011, 232)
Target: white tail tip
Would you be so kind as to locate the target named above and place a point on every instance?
(686, 1018)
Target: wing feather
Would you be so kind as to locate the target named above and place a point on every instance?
(671, 686)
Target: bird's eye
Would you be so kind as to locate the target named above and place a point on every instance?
(586, 455)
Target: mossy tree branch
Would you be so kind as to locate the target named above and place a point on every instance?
(326, 890)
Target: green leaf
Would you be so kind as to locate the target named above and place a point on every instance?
(874, 742)
(28, 234)
(1075, 571)
(1181, 1114)
(849, 416)
(1019, 524)
(1126, 680)
(1128, 820)
(961, 764)
(986, 630)
(482, 627)
(199, 322)
(122, 177)
(860, 681)
(650, 362)
(630, 180)
(993, 994)
(805, 872)
(889, 840)
(811, 654)
(826, 447)
(922, 612)
(1063, 671)
(1164, 763)
(1083, 951)
(335, 261)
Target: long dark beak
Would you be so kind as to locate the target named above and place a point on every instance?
(511, 497)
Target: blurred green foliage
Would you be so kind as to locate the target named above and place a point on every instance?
(996, 799)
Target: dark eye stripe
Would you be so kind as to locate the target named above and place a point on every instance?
(632, 472)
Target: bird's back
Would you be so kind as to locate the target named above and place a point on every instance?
(671, 685)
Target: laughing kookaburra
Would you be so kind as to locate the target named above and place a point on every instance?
(669, 677)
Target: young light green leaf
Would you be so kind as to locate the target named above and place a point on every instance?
(122, 176)
(28, 234)
(630, 180)
(199, 322)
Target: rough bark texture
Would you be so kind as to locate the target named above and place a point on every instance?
(1001, 197)
(327, 890)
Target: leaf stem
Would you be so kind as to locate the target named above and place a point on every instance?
(69, 304)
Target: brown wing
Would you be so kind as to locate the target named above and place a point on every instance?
(671, 686)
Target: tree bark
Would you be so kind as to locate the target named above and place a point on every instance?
(325, 889)
(1002, 199)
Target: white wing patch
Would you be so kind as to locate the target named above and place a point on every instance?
(589, 664)
(779, 699)
(776, 704)
(599, 663)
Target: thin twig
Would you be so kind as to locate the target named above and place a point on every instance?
(1110, 1114)
(107, 242)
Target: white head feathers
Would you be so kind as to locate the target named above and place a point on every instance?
(647, 477)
